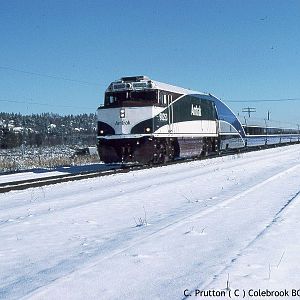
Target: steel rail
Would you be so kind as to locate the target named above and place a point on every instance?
(44, 181)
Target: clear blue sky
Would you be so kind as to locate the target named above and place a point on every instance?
(237, 50)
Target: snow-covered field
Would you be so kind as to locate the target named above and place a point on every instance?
(159, 233)
(24, 158)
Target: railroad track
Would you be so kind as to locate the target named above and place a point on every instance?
(44, 181)
(39, 182)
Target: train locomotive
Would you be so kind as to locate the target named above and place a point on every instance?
(150, 122)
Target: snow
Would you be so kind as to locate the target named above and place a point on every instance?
(18, 129)
(151, 234)
(272, 261)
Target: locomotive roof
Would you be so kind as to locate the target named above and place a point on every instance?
(158, 85)
(174, 88)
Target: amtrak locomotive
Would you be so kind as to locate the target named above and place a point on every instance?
(147, 121)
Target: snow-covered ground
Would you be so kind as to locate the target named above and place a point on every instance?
(41, 158)
(158, 233)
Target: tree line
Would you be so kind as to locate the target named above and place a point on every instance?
(46, 129)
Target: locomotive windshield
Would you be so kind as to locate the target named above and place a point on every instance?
(131, 98)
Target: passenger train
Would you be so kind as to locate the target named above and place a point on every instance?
(150, 122)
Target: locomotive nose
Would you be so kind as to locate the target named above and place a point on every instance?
(122, 124)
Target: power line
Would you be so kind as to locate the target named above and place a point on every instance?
(266, 100)
(72, 106)
(49, 76)
(44, 104)
(98, 84)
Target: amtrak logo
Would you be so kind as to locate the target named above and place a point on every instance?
(123, 122)
(196, 110)
(163, 117)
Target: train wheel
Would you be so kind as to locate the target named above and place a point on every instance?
(205, 148)
(170, 150)
(159, 153)
(175, 144)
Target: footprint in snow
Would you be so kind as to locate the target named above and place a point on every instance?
(91, 222)
(195, 232)
(138, 258)
(255, 266)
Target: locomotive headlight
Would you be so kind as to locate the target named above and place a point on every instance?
(101, 131)
(148, 129)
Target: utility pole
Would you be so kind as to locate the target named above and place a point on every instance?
(269, 115)
(249, 110)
